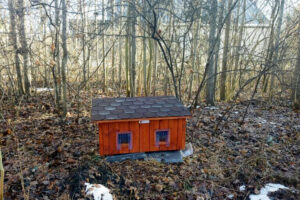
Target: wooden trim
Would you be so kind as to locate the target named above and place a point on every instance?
(138, 119)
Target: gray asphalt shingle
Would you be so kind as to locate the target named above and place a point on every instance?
(137, 108)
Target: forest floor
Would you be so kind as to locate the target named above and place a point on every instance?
(45, 158)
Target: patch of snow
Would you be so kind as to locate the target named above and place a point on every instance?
(230, 196)
(242, 188)
(212, 107)
(263, 194)
(188, 150)
(43, 89)
(98, 191)
(261, 120)
(236, 112)
(197, 107)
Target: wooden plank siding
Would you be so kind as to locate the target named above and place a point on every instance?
(134, 127)
(142, 135)
(154, 125)
(173, 126)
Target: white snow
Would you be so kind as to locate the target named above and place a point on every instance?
(242, 188)
(188, 150)
(212, 107)
(43, 89)
(98, 191)
(230, 196)
(263, 194)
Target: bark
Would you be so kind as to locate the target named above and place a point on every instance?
(225, 55)
(296, 79)
(24, 45)
(276, 46)
(144, 64)
(127, 52)
(270, 50)
(65, 56)
(210, 93)
(1, 177)
(238, 48)
(154, 70)
(83, 42)
(55, 57)
(133, 49)
(194, 47)
(220, 26)
(13, 41)
(103, 51)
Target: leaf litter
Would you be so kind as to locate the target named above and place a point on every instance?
(47, 158)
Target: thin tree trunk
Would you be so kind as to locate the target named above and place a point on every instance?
(1, 177)
(55, 57)
(65, 56)
(144, 64)
(296, 78)
(210, 93)
(103, 50)
(24, 49)
(150, 65)
(13, 41)
(133, 50)
(154, 70)
(194, 47)
(225, 55)
(238, 48)
(276, 46)
(270, 50)
(127, 51)
(83, 25)
(217, 49)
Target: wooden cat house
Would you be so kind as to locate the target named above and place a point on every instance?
(140, 124)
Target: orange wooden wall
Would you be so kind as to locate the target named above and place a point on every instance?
(143, 135)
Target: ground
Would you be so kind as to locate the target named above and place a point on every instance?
(47, 158)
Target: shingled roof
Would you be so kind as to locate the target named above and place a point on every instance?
(137, 108)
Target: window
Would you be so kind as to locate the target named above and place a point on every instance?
(124, 140)
(162, 137)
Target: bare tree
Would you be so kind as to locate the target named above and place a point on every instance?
(65, 56)
(296, 79)
(210, 93)
(14, 42)
(24, 47)
(225, 54)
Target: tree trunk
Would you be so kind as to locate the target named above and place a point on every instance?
(238, 48)
(55, 57)
(296, 79)
(220, 26)
(133, 49)
(13, 41)
(225, 54)
(103, 50)
(154, 70)
(24, 49)
(65, 56)
(1, 177)
(83, 48)
(210, 93)
(144, 64)
(276, 46)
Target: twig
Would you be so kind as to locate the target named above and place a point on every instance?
(1, 176)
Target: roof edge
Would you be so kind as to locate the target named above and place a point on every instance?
(138, 119)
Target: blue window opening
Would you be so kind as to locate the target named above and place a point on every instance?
(162, 137)
(124, 140)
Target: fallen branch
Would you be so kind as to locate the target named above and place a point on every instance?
(1, 177)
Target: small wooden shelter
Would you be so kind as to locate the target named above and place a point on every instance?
(140, 124)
